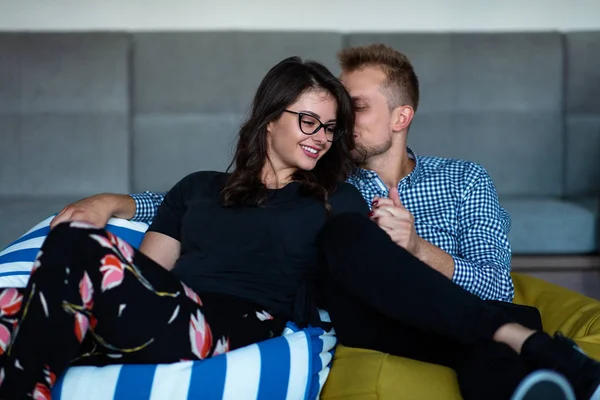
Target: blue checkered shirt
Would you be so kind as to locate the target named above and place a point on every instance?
(455, 207)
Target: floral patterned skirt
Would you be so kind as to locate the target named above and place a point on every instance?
(94, 300)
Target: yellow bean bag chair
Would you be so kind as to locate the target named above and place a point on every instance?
(359, 374)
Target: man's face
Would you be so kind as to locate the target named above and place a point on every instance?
(373, 125)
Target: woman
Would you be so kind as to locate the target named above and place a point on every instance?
(227, 261)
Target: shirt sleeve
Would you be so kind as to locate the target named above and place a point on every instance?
(482, 265)
(171, 210)
(146, 205)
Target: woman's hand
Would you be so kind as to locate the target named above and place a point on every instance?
(397, 222)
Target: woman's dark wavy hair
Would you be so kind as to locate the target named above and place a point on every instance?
(280, 88)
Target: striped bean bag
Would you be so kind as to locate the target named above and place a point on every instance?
(17, 259)
(289, 367)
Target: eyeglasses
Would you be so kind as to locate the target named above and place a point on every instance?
(309, 125)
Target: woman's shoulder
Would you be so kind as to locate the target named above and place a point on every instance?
(203, 178)
(347, 198)
(199, 183)
(345, 189)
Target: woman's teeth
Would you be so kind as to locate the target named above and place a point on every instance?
(310, 149)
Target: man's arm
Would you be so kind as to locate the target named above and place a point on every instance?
(399, 223)
(98, 209)
(482, 265)
(146, 204)
(435, 257)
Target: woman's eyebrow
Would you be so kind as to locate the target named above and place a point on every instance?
(314, 114)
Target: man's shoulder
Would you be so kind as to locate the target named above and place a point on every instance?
(451, 167)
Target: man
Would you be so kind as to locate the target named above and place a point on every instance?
(444, 212)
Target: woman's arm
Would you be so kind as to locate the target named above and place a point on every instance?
(162, 249)
(162, 242)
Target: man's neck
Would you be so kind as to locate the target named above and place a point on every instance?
(392, 166)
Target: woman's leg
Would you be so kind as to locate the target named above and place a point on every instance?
(10, 305)
(487, 370)
(89, 282)
(492, 370)
(361, 259)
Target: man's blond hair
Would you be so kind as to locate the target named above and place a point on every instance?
(401, 85)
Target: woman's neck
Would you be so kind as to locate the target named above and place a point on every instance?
(276, 179)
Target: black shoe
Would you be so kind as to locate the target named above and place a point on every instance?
(544, 385)
(564, 356)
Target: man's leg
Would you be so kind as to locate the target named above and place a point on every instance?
(362, 260)
(486, 370)
(361, 326)
(492, 370)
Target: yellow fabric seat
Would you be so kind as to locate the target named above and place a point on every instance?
(359, 374)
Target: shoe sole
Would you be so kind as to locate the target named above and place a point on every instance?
(596, 394)
(546, 385)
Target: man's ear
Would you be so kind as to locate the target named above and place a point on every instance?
(402, 116)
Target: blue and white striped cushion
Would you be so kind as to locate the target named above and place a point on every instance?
(289, 367)
(16, 261)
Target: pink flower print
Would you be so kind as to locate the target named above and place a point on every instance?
(112, 237)
(86, 290)
(49, 375)
(81, 326)
(82, 225)
(93, 322)
(222, 346)
(200, 335)
(41, 392)
(104, 242)
(124, 248)
(112, 272)
(10, 302)
(191, 294)
(4, 338)
(263, 316)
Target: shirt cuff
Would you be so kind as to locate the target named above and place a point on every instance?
(144, 208)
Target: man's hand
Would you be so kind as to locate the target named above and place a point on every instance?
(397, 221)
(97, 210)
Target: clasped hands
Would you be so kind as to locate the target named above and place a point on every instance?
(399, 223)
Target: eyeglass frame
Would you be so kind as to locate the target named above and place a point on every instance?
(336, 134)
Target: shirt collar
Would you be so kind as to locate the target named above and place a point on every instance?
(412, 178)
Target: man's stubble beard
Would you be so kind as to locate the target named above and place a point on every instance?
(362, 153)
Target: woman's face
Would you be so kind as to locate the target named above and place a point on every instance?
(291, 146)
